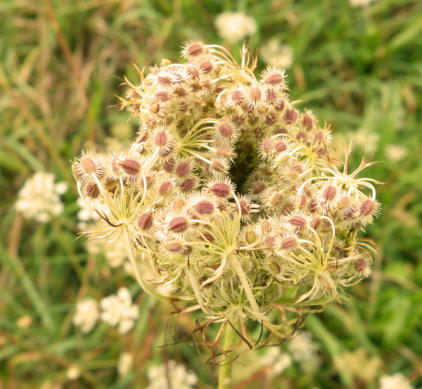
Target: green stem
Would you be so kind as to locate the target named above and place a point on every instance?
(225, 371)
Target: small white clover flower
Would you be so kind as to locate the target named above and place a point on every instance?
(278, 360)
(125, 363)
(118, 310)
(276, 53)
(39, 198)
(86, 315)
(396, 381)
(177, 374)
(234, 26)
(395, 152)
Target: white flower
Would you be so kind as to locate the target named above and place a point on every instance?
(396, 381)
(395, 152)
(365, 138)
(277, 360)
(119, 310)
(304, 351)
(39, 198)
(360, 3)
(73, 373)
(115, 251)
(85, 214)
(275, 53)
(177, 374)
(86, 315)
(234, 26)
(125, 363)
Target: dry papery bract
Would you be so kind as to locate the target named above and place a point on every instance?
(229, 197)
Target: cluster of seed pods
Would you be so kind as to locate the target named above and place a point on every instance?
(229, 199)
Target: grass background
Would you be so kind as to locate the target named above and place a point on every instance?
(61, 62)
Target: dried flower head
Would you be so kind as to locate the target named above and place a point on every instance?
(229, 201)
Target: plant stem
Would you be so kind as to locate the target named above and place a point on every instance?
(224, 375)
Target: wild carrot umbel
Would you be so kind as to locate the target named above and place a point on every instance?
(228, 196)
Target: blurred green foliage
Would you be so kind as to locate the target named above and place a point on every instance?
(61, 63)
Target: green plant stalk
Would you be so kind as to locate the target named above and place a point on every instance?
(225, 371)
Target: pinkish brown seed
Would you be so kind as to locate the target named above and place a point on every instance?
(349, 212)
(92, 191)
(165, 188)
(178, 224)
(180, 92)
(225, 130)
(307, 122)
(329, 192)
(237, 96)
(169, 165)
(255, 93)
(270, 95)
(145, 221)
(88, 165)
(276, 199)
(130, 166)
(316, 221)
(162, 96)
(298, 221)
(267, 145)
(194, 49)
(206, 66)
(245, 207)
(290, 116)
(161, 139)
(280, 105)
(367, 208)
(204, 207)
(280, 147)
(258, 188)
(221, 189)
(288, 243)
(274, 78)
(360, 265)
(188, 184)
(173, 247)
(164, 80)
(224, 151)
(183, 169)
